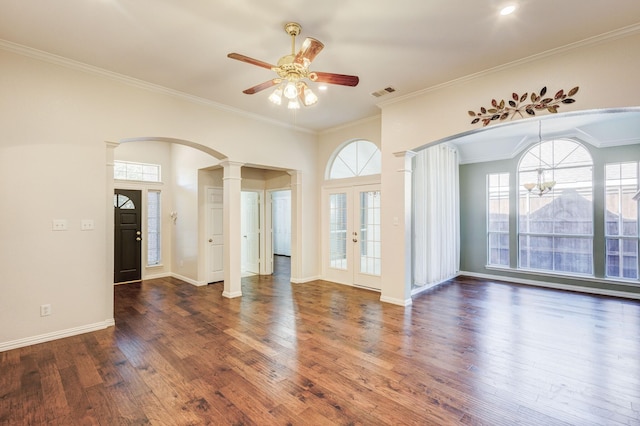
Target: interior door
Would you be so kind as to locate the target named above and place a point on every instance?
(250, 229)
(353, 243)
(215, 240)
(128, 235)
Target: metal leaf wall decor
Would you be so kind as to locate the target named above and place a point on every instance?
(519, 104)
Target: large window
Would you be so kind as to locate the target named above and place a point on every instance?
(498, 219)
(621, 220)
(555, 229)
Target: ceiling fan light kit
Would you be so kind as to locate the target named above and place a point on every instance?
(292, 69)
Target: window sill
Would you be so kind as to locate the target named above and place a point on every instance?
(576, 277)
(159, 265)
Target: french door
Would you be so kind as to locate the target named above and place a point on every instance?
(352, 236)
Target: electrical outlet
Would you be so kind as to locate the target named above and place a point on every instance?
(45, 310)
(59, 225)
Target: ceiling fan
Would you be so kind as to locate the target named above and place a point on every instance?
(293, 69)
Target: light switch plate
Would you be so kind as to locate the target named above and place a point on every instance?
(59, 225)
(86, 225)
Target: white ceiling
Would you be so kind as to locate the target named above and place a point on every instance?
(408, 44)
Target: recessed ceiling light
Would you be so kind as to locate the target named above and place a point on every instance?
(507, 10)
(322, 87)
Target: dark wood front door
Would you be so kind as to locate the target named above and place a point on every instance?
(128, 235)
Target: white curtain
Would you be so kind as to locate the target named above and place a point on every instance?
(436, 240)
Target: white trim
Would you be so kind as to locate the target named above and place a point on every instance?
(394, 301)
(556, 286)
(351, 124)
(54, 335)
(188, 280)
(422, 289)
(156, 276)
(231, 295)
(305, 280)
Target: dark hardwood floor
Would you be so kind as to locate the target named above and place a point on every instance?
(468, 352)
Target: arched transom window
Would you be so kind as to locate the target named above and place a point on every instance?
(357, 158)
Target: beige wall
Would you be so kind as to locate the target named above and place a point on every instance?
(54, 123)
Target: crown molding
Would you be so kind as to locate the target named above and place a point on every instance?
(350, 124)
(591, 41)
(140, 84)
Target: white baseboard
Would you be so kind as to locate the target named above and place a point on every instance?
(419, 290)
(231, 295)
(394, 301)
(160, 275)
(189, 280)
(556, 286)
(304, 280)
(54, 335)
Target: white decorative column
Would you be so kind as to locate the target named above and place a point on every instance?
(231, 217)
(396, 228)
(109, 228)
(296, 226)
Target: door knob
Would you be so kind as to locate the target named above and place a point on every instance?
(210, 240)
(138, 233)
(138, 239)
(355, 240)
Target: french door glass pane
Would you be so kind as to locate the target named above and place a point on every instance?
(370, 232)
(338, 230)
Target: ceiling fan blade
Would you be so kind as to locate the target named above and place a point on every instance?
(308, 51)
(341, 79)
(261, 86)
(249, 60)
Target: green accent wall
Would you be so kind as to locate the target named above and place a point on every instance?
(473, 220)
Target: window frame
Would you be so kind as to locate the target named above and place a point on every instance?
(621, 237)
(131, 165)
(157, 231)
(336, 155)
(489, 232)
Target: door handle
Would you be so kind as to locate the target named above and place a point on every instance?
(138, 239)
(210, 240)
(355, 240)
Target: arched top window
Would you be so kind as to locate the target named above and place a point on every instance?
(123, 202)
(356, 158)
(553, 154)
(555, 223)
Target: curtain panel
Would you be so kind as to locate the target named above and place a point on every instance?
(436, 230)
